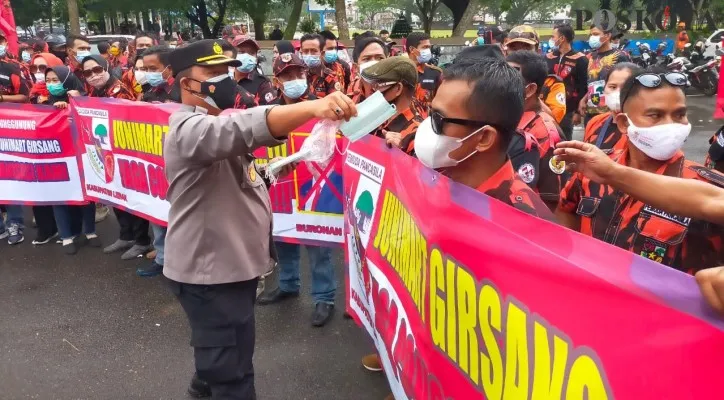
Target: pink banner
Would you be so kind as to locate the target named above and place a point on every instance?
(484, 301)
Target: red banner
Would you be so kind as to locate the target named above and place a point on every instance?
(307, 204)
(37, 157)
(484, 301)
(7, 25)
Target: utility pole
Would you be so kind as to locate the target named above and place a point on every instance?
(73, 17)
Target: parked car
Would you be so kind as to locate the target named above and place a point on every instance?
(713, 44)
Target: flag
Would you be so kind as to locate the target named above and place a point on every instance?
(7, 25)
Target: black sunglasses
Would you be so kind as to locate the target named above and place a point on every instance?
(651, 80)
(95, 70)
(438, 122)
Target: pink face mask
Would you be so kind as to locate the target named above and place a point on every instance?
(98, 81)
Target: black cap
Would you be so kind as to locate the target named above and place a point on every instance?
(203, 53)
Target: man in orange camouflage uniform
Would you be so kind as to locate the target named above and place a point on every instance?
(419, 49)
(322, 80)
(367, 52)
(396, 78)
(539, 124)
(654, 119)
(333, 61)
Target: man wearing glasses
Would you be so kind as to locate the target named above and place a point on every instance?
(654, 120)
(396, 78)
(473, 119)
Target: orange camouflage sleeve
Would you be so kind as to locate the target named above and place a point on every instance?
(571, 194)
(556, 101)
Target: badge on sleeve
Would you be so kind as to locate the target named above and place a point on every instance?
(557, 166)
(252, 172)
(527, 172)
(561, 97)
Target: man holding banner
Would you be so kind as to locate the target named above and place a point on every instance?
(220, 222)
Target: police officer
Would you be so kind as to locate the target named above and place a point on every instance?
(247, 75)
(219, 237)
(419, 49)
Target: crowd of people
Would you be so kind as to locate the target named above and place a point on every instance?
(491, 120)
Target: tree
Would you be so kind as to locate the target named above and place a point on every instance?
(27, 11)
(257, 11)
(201, 13)
(340, 13)
(368, 9)
(293, 19)
(427, 11)
(463, 12)
(73, 17)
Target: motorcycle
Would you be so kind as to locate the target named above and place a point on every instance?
(646, 57)
(704, 78)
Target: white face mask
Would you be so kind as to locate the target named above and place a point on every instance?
(140, 77)
(434, 150)
(659, 142)
(613, 101)
(40, 77)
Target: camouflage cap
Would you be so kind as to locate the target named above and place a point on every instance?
(524, 34)
(392, 69)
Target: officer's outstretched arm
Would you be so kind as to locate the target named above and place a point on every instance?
(685, 197)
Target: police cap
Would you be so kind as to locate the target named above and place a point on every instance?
(392, 69)
(203, 53)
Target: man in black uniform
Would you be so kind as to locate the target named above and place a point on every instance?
(572, 67)
(419, 49)
(247, 75)
(290, 78)
(159, 76)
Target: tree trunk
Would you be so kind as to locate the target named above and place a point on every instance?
(72, 17)
(340, 12)
(461, 25)
(293, 20)
(258, 28)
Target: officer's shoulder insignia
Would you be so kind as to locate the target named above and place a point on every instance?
(252, 172)
(286, 57)
(337, 86)
(217, 48)
(708, 174)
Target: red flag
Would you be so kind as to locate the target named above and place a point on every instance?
(7, 25)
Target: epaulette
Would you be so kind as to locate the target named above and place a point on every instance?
(708, 174)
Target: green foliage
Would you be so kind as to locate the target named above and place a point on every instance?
(308, 26)
(401, 28)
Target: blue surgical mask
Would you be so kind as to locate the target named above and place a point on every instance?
(425, 56)
(311, 60)
(81, 55)
(248, 62)
(3, 50)
(552, 44)
(594, 42)
(614, 46)
(371, 113)
(56, 89)
(330, 56)
(295, 89)
(26, 56)
(155, 79)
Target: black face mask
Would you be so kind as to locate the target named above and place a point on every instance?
(219, 92)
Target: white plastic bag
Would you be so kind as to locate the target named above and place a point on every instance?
(318, 147)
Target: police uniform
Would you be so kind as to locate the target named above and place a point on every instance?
(603, 132)
(680, 242)
(323, 84)
(219, 238)
(547, 134)
(11, 80)
(428, 80)
(398, 69)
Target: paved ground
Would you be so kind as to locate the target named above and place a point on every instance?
(85, 327)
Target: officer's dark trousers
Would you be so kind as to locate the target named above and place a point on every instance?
(133, 227)
(222, 335)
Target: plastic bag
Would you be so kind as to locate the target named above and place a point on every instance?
(318, 147)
